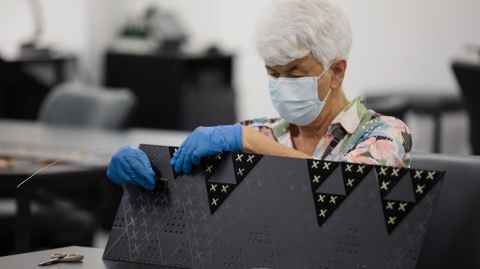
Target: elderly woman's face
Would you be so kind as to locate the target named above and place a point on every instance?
(307, 66)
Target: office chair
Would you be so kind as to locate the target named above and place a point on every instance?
(78, 105)
(468, 78)
(453, 237)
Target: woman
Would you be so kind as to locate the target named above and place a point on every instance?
(305, 45)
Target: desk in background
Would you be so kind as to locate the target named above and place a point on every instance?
(398, 104)
(84, 154)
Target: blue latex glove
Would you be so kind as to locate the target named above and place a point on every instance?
(206, 141)
(131, 165)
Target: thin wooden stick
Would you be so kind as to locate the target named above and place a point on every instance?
(37, 171)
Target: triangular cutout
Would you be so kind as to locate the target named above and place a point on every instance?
(243, 163)
(394, 212)
(319, 171)
(403, 191)
(333, 184)
(388, 177)
(217, 194)
(423, 181)
(211, 163)
(325, 205)
(353, 174)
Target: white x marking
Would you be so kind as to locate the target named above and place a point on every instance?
(360, 169)
(219, 156)
(333, 199)
(385, 185)
(316, 179)
(431, 175)
(209, 169)
(321, 198)
(225, 188)
(395, 172)
(392, 220)
(315, 164)
(239, 157)
(250, 158)
(349, 168)
(214, 201)
(240, 171)
(402, 207)
(213, 187)
(420, 189)
(418, 174)
(323, 213)
(383, 171)
(390, 205)
(326, 166)
(350, 182)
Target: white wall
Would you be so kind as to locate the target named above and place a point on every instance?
(409, 42)
(82, 27)
(65, 24)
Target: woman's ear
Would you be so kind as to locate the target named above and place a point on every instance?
(338, 73)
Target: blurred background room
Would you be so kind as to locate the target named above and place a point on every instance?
(81, 78)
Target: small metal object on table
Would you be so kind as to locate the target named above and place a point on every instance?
(62, 258)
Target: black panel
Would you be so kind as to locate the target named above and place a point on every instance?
(273, 217)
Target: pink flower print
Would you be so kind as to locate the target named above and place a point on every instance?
(382, 150)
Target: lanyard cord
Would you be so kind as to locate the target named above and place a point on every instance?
(338, 134)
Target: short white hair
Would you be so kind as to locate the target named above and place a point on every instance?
(291, 29)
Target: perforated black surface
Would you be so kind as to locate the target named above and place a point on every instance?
(275, 213)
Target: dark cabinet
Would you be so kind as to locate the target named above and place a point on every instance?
(175, 91)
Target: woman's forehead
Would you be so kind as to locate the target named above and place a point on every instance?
(302, 63)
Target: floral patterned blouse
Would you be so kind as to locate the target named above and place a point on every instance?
(365, 137)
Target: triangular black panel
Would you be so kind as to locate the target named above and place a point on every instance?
(394, 212)
(211, 163)
(243, 163)
(388, 177)
(326, 204)
(319, 171)
(423, 181)
(353, 174)
(217, 194)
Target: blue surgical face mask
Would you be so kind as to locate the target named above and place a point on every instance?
(296, 99)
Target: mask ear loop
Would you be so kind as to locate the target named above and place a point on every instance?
(319, 78)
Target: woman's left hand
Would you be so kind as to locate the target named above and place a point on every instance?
(204, 142)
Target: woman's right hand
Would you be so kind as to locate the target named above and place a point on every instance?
(131, 165)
